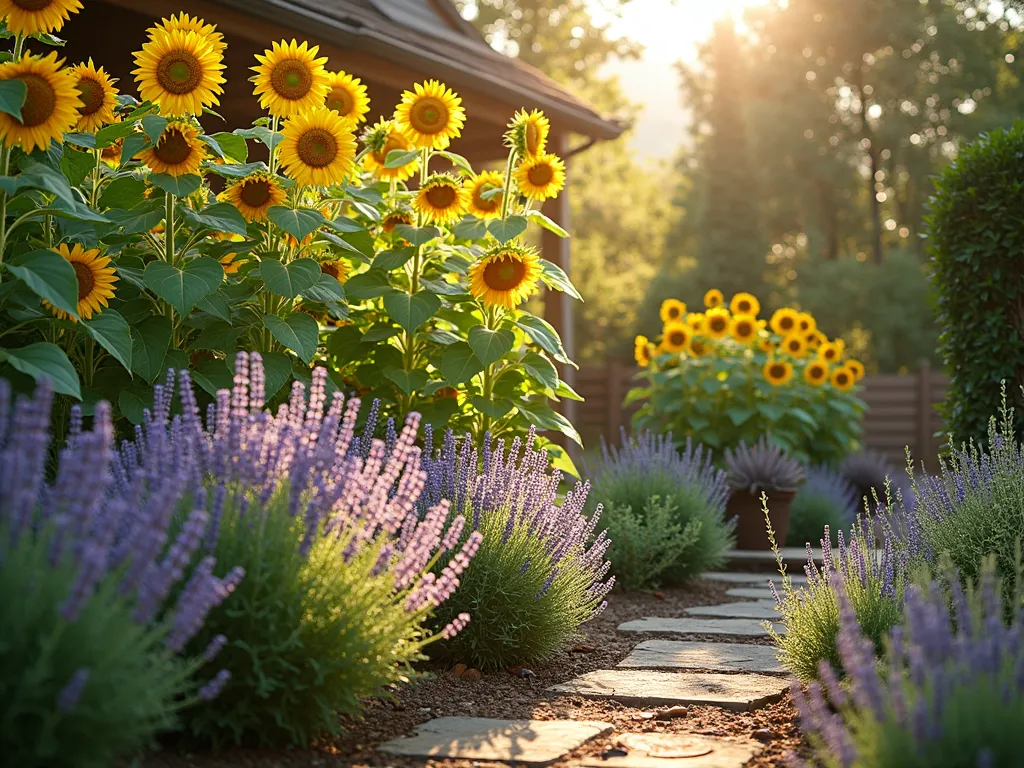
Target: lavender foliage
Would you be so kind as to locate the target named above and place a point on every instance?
(826, 498)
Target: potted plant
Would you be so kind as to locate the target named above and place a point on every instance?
(752, 470)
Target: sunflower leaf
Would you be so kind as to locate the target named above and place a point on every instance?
(492, 193)
(259, 133)
(297, 222)
(367, 285)
(292, 279)
(554, 277)
(471, 228)
(112, 332)
(411, 311)
(545, 337)
(298, 332)
(546, 223)
(496, 409)
(132, 146)
(507, 229)
(12, 97)
(154, 127)
(109, 135)
(398, 157)
(45, 360)
(541, 369)
(87, 140)
(140, 219)
(233, 146)
(457, 160)
(51, 277)
(490, 346)
(393, 259)
(239, 171)
(417, 235)
(539, 413)
(459, 364)
(219, 217)
(179, 186)
(407, 381)
(125, 193)
(183, 288)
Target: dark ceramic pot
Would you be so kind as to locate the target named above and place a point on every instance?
(751, 532)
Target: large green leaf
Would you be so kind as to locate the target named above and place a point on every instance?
(219, 336)
(220, 217)
(326, 290)
(544, 336)
(459, 364)
(411, 311)
(496, 409)
(179, 186)
(417, 235)
(154, 127)
(298, 332)
(233, 146)
(150, 340)
(399, 157)
(554, 277)
(277, 370)
(111, 332)
(407, 381)
(125, 193)
(297, 222)
(490, 346)
(292, 279)
(132, 145)
(539, 414)
(183, 288)
(134, 402)
(541, 369)
(546, 223)
(507, 229)
(50, 276)
(265, 135)
(109, 134)
(471, 228)
(39, 176)
(393, 259)
(12, 97)
(45, 360)
(137, 220)
(76, 164)
(212, 375)
(367, 285)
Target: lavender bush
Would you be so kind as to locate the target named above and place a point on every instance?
(95, 609)
(949, 695)
(539, 572)
(338, 563)
(826, 499)
(649, 466)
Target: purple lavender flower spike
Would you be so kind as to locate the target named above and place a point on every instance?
(71, 693)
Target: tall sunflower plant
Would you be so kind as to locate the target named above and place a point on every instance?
(725, 375)
(133, 239)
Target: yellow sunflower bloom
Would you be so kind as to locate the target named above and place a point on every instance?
(672, 310)
(843, 379)
(540, 177)
(528, 133)
(393, 218)
(346, 95)
(793, 345)
(717, 323)
(806, 323)
(784, 321)
(766, 345)
(51, 103)
(698, 347)
(505, 276)
(815, 339)
(744, 328)
(745, 304)
(339, 270)
(829, 353)
(230, 263)
(382, 139)
(96, 280)
(696, 321)
(317, 149)
(255, 195)
(713, 298)
(430, 115)
(98, 95)
(856, 368)
(642, 351)
(816, 373)
(111, 155)
(676, 337)
(441, 199)
(188, 23)
(485, 207)
(778, 372)
(181, 71)
(29, 17)
(290, 80)
(177, 152)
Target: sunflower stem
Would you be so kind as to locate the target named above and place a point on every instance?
(273, 149)
(94, 192)
(506, 196)
(424, 164)
(169, 228)
(5, 161)
(19, 47)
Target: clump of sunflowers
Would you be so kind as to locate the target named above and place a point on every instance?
(132, 240)
(726, 374)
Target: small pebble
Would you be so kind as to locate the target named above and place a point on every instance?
(471, 674)
(458, 670)
(425, 709)
(763, 734)
(671, 713)
(659, 595)
(583, 649)
(616, 752)
(645, 716)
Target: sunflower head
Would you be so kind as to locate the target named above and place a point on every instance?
(178, 151)
(96, 280)
(30, 17)
(806, 323)
(540, 177)
(717, 323)
(815, 339)
(745, 304)
(188, 23)
(255, 195)
(856, 368)
(111, 154)
(441, 199)
(843, 378)
(485, 192)
(766, 345)
(339, 270)
(52, 102)
(290, 80)
(318, 149)
(744, 328)
(430, 115)
(672, 310)
(379, 141)
(698, 347)
(696, 321)
(395, 217)
(816, 373)
(528, 133)
(180, 70)
(98, 95)
(713, 298)
(505, 275)
(346, 95)
(794, 345)
(778, 372)
(784, 321)
(642, 351)
(829, 353)
(676, 337)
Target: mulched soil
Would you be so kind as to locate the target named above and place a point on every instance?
(525, 697)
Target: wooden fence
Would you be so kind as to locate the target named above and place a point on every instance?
(901, 409)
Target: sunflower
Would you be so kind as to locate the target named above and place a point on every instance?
(188, 23)
(540, 177)
(29, 17)
(96, 280)
(815, 339)
(713, 298)
(816, 373)
(98, 95)
(254, 195)
(346, 95)
(339, 270)
(318, 149)
(642, 351)
(843, 379)
(716, 323)
(290, 80)
(180, 70)
(744, 328)
(441, 199)
(778, 372)
(111, 154)
(745, 304)
(794, 345)
(382, 139)
(672, 310)
(696, 321)
(229, 263)
(806, 323)
(51, 102)
(177, 152)
(784, 321)
(505, 275)
(676, 337)
(528, 133)
(829, 353)
(485, 207)
(430, 115)
(393, 218)
(766, 345)
(698, 347)
(856, 368)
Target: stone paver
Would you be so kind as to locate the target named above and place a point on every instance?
(642, 688)
(700, 626)
(752, 593)
(721, 657)
(534, 742)
(675, 750)
(759, 579)
(746, 610)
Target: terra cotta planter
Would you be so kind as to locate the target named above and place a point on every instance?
(751, 532)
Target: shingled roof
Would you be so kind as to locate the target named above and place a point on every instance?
(431, 35)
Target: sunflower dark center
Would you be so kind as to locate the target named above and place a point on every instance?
(179, 72)
(532, 138)
(173, 148)
(483, 203)
(33, 5)
(394, 220)
(744, 329)
(504, 273)
(842, 378)
(718, 324)
(674, 313)
(428, 116)
(389, 146)
(743, 307)
(91, 94)
(317, 148)
(256, 193)
(40, 100)
(786, 323)
(441, 196)
(332, 268)
(86, 282)
(794, 344)
(677, 338)
(541, 175)
(340, 100)
(778, 371)
(291, 79)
